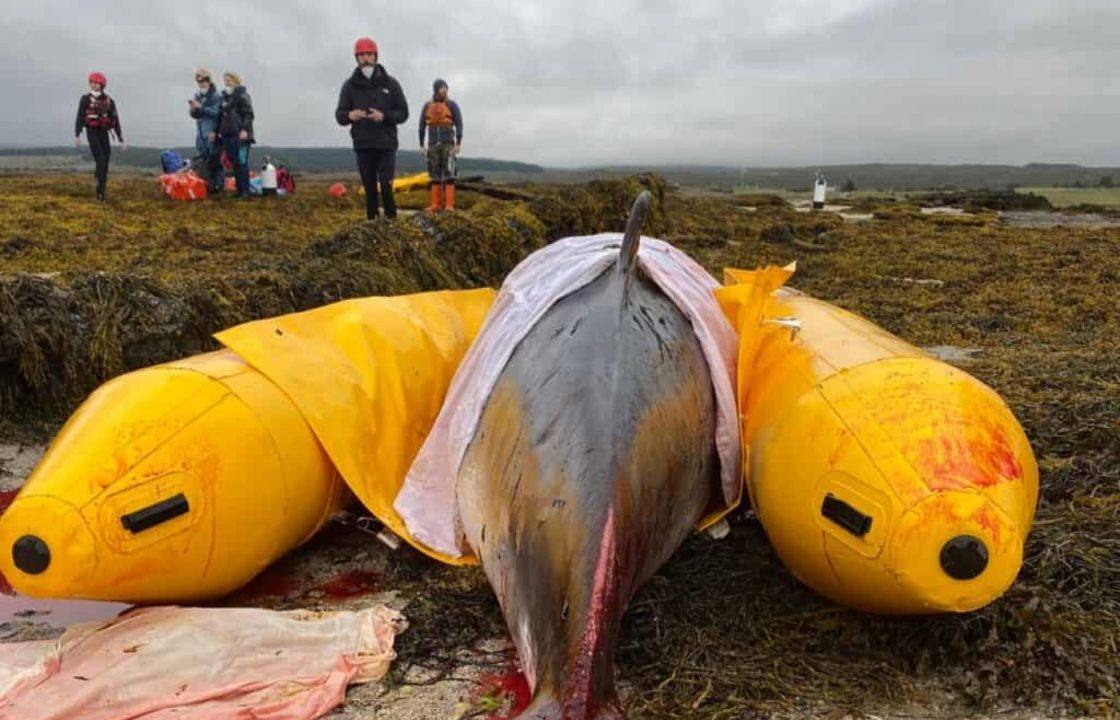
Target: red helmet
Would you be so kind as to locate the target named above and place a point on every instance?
(99, 78)
(365, 45)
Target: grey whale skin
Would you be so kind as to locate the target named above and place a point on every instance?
(594, 458)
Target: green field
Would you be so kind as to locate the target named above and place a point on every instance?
(1065, 197)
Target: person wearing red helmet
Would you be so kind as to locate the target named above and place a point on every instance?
(373, 105)
(97, 115)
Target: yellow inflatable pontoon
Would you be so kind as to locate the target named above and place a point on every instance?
(886, 480)
(411, 182)
(181, 482)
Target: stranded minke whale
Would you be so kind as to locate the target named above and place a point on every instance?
(594, 458)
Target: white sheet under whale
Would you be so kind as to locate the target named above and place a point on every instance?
(427, 500)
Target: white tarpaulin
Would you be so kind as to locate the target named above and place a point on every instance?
(170, 663)
(427, 499)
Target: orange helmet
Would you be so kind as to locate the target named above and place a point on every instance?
(365, 45)
(99, 78)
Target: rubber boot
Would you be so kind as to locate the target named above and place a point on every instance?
(436, 193)
(449, 197)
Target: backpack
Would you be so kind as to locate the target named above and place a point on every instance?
(171, 161)
(284, 180)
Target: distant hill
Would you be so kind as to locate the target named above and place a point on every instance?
(878, 176)
(870, 176)
(331, 159)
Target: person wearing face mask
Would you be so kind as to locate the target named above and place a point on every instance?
(444, 122)
(235, 127)
(373, 105)
(206, 109)
(97, 115)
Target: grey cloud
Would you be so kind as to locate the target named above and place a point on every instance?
(590, 82)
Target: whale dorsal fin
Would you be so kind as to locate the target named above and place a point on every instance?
(631, 239)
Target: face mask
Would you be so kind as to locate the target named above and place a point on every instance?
(367, 71)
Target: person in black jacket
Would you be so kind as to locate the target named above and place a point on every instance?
(373, 105)
(235, 126)
(97, 115)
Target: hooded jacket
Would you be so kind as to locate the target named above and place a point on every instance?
(380, 92)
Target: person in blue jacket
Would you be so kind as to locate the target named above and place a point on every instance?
(206, 108)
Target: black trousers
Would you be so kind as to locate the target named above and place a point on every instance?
(99, 146)
(377, 167)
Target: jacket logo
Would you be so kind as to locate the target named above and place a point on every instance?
(385, 90)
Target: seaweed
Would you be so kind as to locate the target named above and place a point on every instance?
(723, 631)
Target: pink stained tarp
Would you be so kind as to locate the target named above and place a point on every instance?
(170, 663)
(427, 501)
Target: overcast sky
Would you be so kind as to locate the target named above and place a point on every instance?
(587, 82)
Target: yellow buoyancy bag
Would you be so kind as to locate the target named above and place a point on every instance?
(174, 483)
(369, 376)
(886, 480)
(180, 482)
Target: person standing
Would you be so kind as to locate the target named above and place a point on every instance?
(373, 105)
(206, 109)
(235, 126)
(444, 123)
(97, 114)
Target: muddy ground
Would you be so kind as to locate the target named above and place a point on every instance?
(89, 290)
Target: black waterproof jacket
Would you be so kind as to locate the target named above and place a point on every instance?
(237, 113)
(380, 92)
(107, 119)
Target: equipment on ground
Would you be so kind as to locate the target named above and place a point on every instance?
(268, 178)
(180, 482)
(171, 161)
(886, 480)
(410, 182)
(820, 187)
(185, 186)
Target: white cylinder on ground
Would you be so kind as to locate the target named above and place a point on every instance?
(268, 179)
(818, 193)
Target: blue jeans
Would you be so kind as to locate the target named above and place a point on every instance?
(238, 154)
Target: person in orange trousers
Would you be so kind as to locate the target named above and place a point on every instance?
(443, 121)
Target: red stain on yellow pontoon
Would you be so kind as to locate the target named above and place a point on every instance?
(963, 459)
(985, 518)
